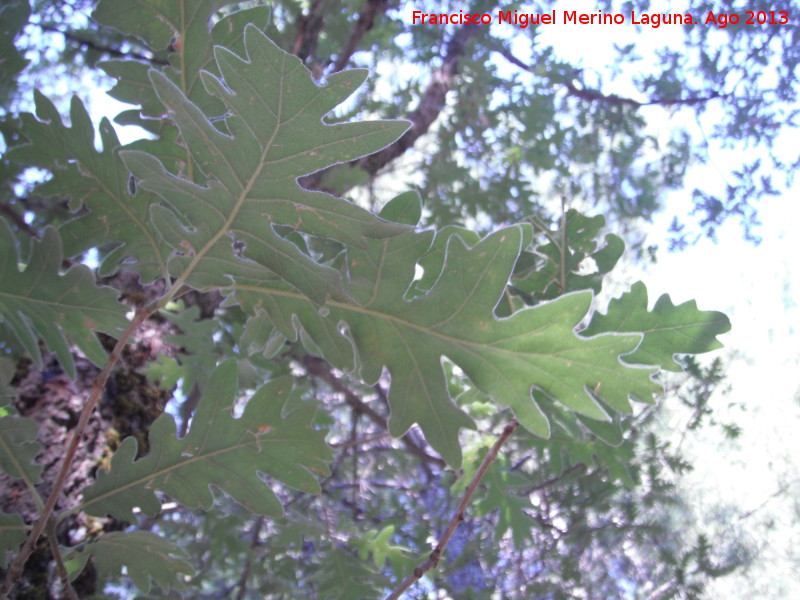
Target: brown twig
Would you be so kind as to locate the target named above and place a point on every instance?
(61, 568)
(15, 569)
(553, 480)
(431, 103)
(91, 44)
(593, 95)
(259, 524)
(458, 517)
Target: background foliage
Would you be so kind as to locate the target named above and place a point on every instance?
(273, 317)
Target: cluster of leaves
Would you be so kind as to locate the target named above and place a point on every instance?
(442, 328)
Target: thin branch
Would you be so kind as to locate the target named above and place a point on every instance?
(242, 584)
(592, 95)
(93, 45)
(52, 540)
(553, 480)
(18, 220)
(317, 367)
(15, 569)
(780, 491)
(308, 30)
(422, 117)
(366, 19)
(431, 103)
(458, 516)
(354, 459)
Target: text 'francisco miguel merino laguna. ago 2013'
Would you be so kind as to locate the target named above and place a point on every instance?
(573, 17)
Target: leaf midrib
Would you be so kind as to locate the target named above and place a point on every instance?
(227, 226)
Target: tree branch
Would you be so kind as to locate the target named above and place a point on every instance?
(61, 568)
(458, 516)
(15, 569)
(422, 117)
(366, 19)
(308, 28)
(592, 95)
(319, 368)
(256, 532)
(431, 103)
(91, 44)
(553, 480)
(595, 96)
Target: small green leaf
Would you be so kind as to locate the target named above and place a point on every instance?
(58, 308)
(564, 263)
(218, 450)
(199, 356)
(7, 393)
(379, 545)
(13, 17)
(668, 329)
(503, 495)
(405, 208)
(343, 577)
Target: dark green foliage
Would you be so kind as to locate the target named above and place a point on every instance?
(333, 364)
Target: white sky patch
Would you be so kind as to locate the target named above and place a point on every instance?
(758, 287)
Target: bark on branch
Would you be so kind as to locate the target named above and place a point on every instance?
(422, 117)
(431, 103)
(366, 19)
(308, 29)
(111, 51)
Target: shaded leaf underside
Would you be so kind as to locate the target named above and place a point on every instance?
(274, 134)
(218, 450)
(667, 329)
(38, 301)
(535, 348)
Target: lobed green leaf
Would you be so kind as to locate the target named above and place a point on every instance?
(118, 214)
(273, 133)
(37, 300)
(668, 329)
(218, 450)
(144, 556)
(13, 532)
(524, 361)
(19, 447)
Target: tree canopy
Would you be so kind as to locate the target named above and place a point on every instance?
(328, 328)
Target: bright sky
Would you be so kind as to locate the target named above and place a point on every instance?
(758, 287)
